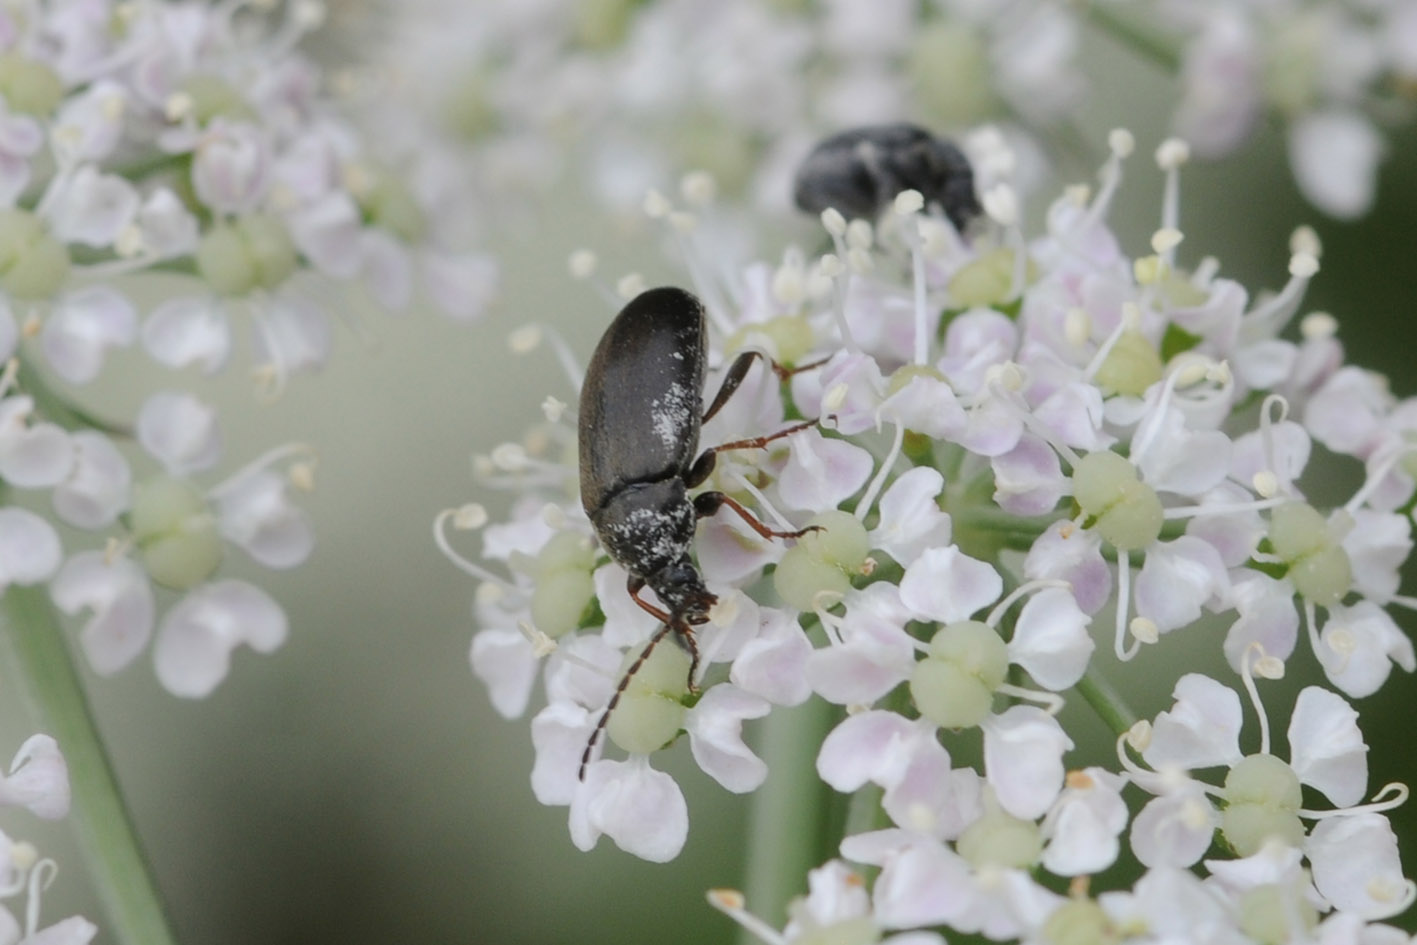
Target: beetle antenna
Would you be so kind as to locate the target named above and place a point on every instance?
(664, 630)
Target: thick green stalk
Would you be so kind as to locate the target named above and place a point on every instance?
(38, 662)
(787, 812)
(1106, 701)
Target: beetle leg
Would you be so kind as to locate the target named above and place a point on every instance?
(708, 503)
(684, 636)
(634, 585)
(699, 471)
(738, 370)
(620, 691)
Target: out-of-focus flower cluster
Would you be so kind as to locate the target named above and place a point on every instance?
(196, 139)
(38, 781)
(1332, 73)
(1027, 446)
(635, 92)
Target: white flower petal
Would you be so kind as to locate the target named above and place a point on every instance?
(1174, 829)
(503, 659)
(81, 329)
(910, 518)
(822, 473)
(1023, 759)
(1335, 158)
(1356, 867)
(773, 664)
(715, 727)
(1202, 728)
(180, 432)
(946, 585)
(1326, 749)
(117, 592)
(38, 779)
(29, 548)
(255, 512)
(1051, 640)
(195, 640)
(186, 331)
(98, 487)
(641, 809)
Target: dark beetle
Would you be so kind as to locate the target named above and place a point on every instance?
(641, 411)
(859, 172)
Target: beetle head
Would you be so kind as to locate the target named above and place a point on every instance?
(682, 589)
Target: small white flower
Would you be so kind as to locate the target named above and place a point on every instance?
(117, 593)
(38, 779)
(180, 431)
(197, 636)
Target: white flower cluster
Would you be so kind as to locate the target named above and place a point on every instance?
(190, 138)
(38, 781)
(635, 92)
(1025, 445)
(1333, 73)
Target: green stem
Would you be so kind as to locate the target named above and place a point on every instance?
(58, 409)
(1106, 701)
(39, 661)
(787, 811)
(1130, 32)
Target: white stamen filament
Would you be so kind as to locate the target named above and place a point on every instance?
(730, 903)
(863, 507)
(1247, 676)
(262, 463)
(440, 538)
(1029, 587)
(1051, 702)
(1392, 795)
(1124, 601)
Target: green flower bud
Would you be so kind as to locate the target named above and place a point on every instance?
(254, 252)
(1130, 367)
(1080, 922)
(651, 709)
(30, 87)
(954, 685)
(1319, 567)
(789, 335)
(602, 24)
(389, 202)
(33, 264)
(1270, 915)
(823, 560)
(1263, 796)
(213, 98)
(563, 583)
(987, 281)
(860, 930)
(175, 532)
(1128, 512)
(1000, 839)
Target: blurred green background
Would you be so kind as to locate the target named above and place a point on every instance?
(356, 787)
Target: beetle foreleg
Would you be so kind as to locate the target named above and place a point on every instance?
(706, 504)
(636, 584)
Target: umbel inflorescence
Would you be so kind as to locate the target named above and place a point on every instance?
(1040, 461)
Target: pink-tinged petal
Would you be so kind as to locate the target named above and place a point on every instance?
(773, 664)
(1023, 759)
(976, 341)
(1335, 158)
(89, 124)
(946, 585)
(188, 331)
(1378, 545)
(462, 286)
(1174, 829)
(851, 388)
(931, 799)
(231, 168)
(196, 638)
(1356, 865)
(1065, 552)
(1051, 640)
(255, 512)
(98, 488)
(116, 592)
(93, 208)
(715, 727)
(293, 336)
(925, 405)
(876, 655)
(81, 329)
(388, 269)
(559, 733)
(1347, 414)
(180, 432)
(327, 233)
(641, 809)
(1028, 479)
(38, 779)
(1282, 448)
(1073, 413)
(583, 670)
(626, 623)
(835, 893)
(1326, 749)
(731, 553)
(1181, 460)
(504, 661)
(168, 229)
(1177, 579)
(925, 884)
(1083, 827)
(34, 457)
(992, 428)
(1267, 616)
(733, 624)
(1202, 728)
(29, 548)
(910, 517)
(1359, 645)
(822, 473)
(874, 746)
(1234, 535)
